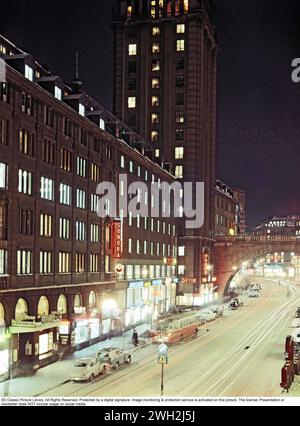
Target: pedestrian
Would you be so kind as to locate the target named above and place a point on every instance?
(135, 338)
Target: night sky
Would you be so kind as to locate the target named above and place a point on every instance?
(258, 105)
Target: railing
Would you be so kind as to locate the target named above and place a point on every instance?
(262, 238)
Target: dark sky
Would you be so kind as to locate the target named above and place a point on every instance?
(258, 105)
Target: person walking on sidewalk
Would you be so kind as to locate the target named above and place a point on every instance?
(135, 338)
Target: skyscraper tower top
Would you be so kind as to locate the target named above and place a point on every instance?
(157, 9)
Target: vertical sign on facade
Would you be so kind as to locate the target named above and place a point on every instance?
(116, 239)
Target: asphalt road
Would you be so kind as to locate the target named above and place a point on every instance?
(238, 355)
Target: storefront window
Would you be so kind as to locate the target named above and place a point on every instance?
(129, 272)
(82, 332)
(137, 272)
(21, 310)
(106, 324)
(151, 269)
(157, 271)
(4, 362)
(95, 328)
(45, 343)
(43, 307)
(2, 316)
(62, 305)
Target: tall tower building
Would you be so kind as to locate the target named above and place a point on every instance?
(165, 88)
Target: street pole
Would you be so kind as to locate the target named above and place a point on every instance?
(162, 380)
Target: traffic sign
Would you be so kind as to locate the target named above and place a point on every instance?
(163, 359)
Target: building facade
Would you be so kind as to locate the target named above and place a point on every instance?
(230, 211)
(69, 278)
(286, 226)
(165, 87)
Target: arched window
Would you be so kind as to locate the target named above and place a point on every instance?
(2, 316)
(77, 301)
(92, 300)
(62, 306)
(21, 310)
(43, 307)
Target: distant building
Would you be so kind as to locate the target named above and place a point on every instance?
(240, 196)
(230, 210)
(279, 226)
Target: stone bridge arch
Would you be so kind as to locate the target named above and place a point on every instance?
(232, 252)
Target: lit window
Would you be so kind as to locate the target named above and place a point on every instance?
(180, 28)
(155, 83)
(180, 45)
(82, 110)
(154, 118)
(58, 93)
(181, 270)
(186, 6)
(157, 153)
(155, 31)
(132, 102)
(179, 153)
(129, 11)
(154, 136)
(179, 117)
(156, 65)
(47, 189)
(102, 124)
(28, 73)
(156, 47)
(181, 251)
(132, 49)
(179, 172)
(155, 101)
(122, 162)
(130, 244)
(3, 175)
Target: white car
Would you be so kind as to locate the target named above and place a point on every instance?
(296, 336)
(296, 323)
(253, 294)
(87, 369)
(207, 314)
(114, 357)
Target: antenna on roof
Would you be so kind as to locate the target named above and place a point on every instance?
(77, 63)
(77, 84)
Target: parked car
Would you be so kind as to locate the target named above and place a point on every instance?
(253, 293)
(114, 357)
(87, 369)
(235, 304)
(207, 314)
(296, 323)
(296, 336)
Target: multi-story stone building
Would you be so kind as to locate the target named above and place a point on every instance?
(230, 211)
(285, 226)
(60, 286)
(165, 87)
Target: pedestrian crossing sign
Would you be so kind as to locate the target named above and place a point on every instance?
(163, 359)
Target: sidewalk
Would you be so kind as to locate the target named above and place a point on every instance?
(295, 389)
(55, 374)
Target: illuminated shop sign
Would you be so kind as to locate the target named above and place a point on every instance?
(116, 239)
(136, 284)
